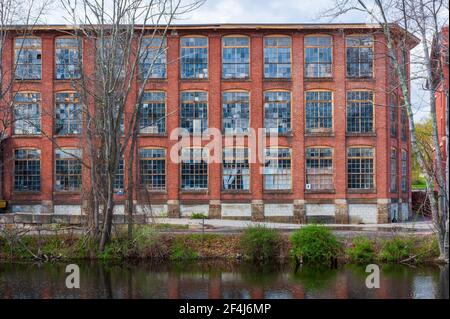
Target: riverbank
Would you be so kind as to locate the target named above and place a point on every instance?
(165, 242)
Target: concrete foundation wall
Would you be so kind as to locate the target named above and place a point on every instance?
(278, 210)
(152, 210)
(362, 213)
(30, 209)
(67, 209)
(188, 210)
(236, 210)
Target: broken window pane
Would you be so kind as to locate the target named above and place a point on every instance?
(152, 165)
(194, 111)
(153, 58)
(359, 56)
(236, 58)
(194, 58)
(152, 118)
(194, 169)
(319, 168)
(27, 170)
(68, 114)
(68, 170)
(277, 111)
(235, 112)
(404, 171)
(28, 58)
(318, 56)
(236, 171)
(319, 112)
(27, 115)
(277, 57)
(277, 169)
(68, 58)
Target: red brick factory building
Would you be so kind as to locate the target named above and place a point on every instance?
(343, 153)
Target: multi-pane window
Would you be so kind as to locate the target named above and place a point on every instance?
(360, 111)
(235, 112)
(152, 165)
(194, 111)
(194, 169)
(277, 169)
(277, 57)
(360, 168)
(68, 58)
(393, 170)
(28, 58)
(404, 171)
(153, 58)
(236, 169)
(404, 124)
(235, 58)
(318, 56)
(152, 117)
(27, 114)
(359, 56)
(277, 111)
(68, 170)
(393, 115)
(319, 111)
(110, 53)
(27, 170)
(119, 178)
(319, 168)
(68, 114)
(194, 58)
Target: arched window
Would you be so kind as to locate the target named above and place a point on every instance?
(235, 57)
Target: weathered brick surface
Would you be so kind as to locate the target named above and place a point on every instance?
(214, 85)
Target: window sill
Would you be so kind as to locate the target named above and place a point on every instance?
(289, 134)
(237, 80)
(278, 191)
(56, 193)
(153, 191)
(18, 193)
(324, 79)
(360, 134)
(152, 135)
(361, 79)
(153, 80)
(361, 191)
(28, 80)
(66, 80)
(235, 191)
(195, 80)
(195, 191)
(320, 191)
(319, 134)
(67, 136)
(26, 136)
(278, 79)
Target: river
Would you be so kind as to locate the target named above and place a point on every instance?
(219, 279)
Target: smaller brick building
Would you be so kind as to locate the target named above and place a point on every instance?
(328, 90)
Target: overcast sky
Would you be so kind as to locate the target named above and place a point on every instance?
(273, 11)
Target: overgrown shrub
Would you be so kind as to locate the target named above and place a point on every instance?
(198, 216)
(396, 249)
(315, 244)
(260, 243)
(362, 250)
(179, 250)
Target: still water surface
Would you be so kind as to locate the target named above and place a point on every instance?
(218, 279)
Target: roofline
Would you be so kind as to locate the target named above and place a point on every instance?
(229, 26)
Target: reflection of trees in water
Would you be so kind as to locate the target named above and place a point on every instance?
(314, 278)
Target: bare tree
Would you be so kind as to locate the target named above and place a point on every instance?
(18, 18)
(118, 33)
(424, 20)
